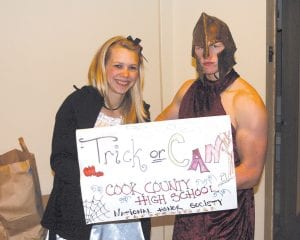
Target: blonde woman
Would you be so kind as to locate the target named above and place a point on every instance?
(113, 96)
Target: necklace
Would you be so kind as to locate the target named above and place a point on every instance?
(113, 109)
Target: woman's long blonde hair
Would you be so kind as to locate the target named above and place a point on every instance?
(133, 106)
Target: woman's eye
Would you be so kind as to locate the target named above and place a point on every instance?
(133, 68)
(119, 66)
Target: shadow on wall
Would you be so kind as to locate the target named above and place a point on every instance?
(162, 221)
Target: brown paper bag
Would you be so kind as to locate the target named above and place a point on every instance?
(21, 205)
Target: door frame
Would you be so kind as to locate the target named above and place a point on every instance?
(271, 105)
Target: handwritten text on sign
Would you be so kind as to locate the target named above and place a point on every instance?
(158, 168)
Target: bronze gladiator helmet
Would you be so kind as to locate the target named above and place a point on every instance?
(209, 30)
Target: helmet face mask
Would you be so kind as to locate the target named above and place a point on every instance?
(209, 30)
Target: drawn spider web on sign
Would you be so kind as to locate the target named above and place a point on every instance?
(95, 211)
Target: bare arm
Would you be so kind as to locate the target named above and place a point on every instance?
(171, 111)
(251, 138)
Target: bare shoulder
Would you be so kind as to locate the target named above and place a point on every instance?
(247, 104)
(184, 87)
(171, 111)
(245, 93)
(175, 104)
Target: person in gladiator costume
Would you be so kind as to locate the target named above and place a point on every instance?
(219, 90)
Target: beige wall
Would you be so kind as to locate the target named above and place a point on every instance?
(46, 47)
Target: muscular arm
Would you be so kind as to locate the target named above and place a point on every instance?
(251, 132)
(251, 138)
(171, 111)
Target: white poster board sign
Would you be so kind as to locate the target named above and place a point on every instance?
(157, 168)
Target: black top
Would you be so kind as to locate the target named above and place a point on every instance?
(64, 214)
